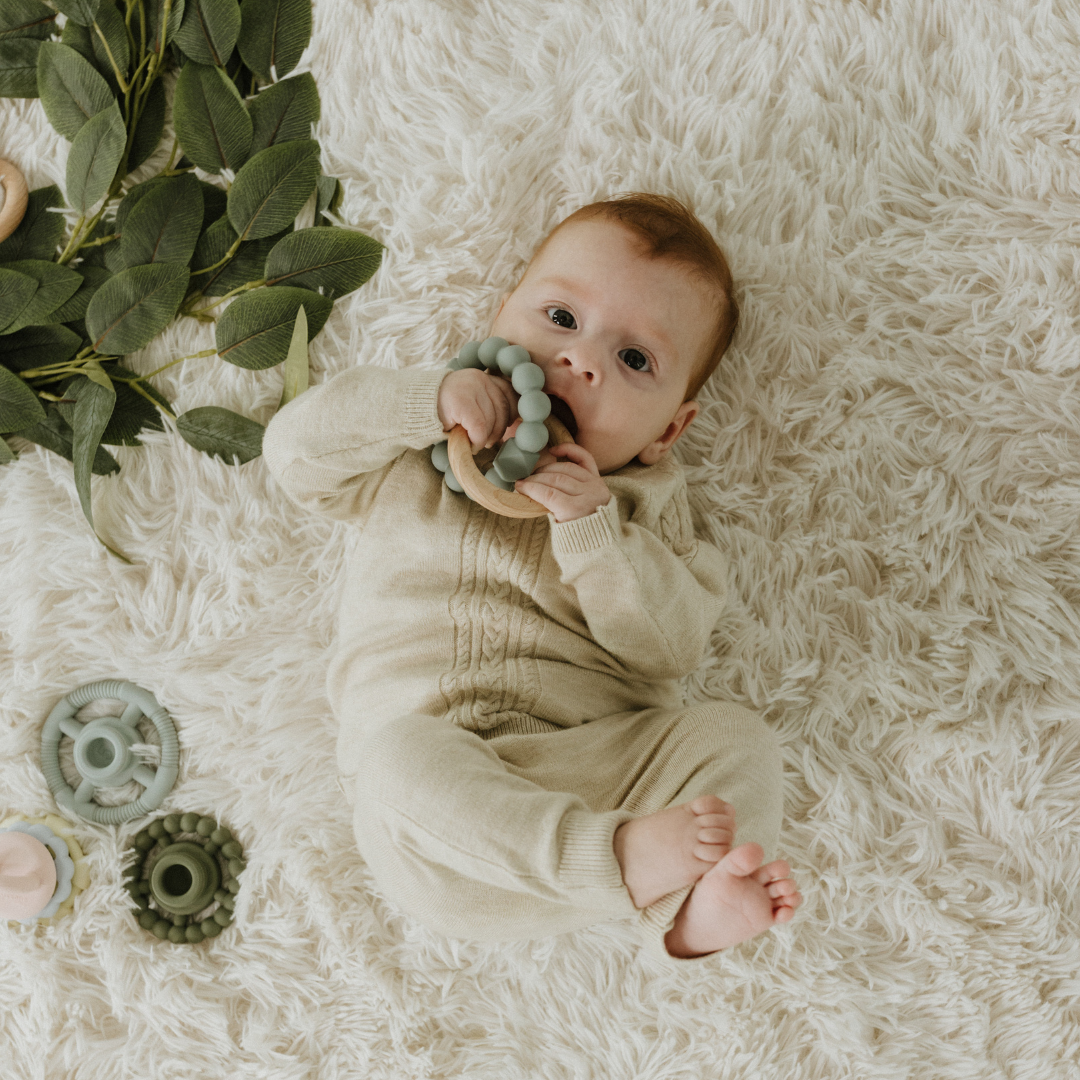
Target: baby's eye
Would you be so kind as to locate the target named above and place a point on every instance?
(635, 358)
(561, 317)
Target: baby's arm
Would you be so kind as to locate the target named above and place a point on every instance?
(330, 448)
(652, 609)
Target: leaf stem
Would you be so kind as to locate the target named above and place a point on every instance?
(69, 251)
(112, 59)
(221, 262)
(158, 371)
(239, 289)
(133, 383)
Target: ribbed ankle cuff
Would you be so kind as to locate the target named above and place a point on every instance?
(587, 856)
(656, 920)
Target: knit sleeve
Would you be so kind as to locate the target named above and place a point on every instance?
(651, 596)
(331, 447)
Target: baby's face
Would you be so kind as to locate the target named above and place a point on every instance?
(616, 334)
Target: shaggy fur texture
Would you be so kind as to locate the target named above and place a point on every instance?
(888, 453)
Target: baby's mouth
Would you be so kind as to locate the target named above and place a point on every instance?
(561, 411)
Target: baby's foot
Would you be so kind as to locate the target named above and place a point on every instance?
(661, 852)
(734, 901)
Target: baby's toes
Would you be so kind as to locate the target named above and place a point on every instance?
(774, 871)
(777, 889)
(714, 836)
(710, 804)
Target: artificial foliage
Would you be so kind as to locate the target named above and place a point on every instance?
(100, 270)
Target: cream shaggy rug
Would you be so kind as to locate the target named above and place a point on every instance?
(889, 454)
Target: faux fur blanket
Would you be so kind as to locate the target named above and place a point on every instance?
(890, 454)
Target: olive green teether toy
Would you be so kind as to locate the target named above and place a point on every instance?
(103, 754)
(518, 456)
(185, 878)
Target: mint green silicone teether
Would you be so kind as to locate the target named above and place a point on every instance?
(518, 456)
(103, 754)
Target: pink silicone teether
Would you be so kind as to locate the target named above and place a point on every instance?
(27, 875)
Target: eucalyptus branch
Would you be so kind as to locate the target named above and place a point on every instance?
(222, 261)
(139, 390)
(171, 363)
(99, 241)
(197, 312)
(112, 59)
(69, 250)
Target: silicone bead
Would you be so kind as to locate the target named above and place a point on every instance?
(156, 830)
(532, 438)
(223, 916)
(221, 894)
(229, 902)
(144, 841)
(534, 406)
(194, 935)
(206, 826)
(452, 481)
(469, 355)
(509, 358)
(439, 456)
(221, 836)
(176, 935)
(188, 822)
(161, 929)
(232, 850)
(179, 920)
(210, 928)
(489, 350)
(498, 481)
(233, 886)
(210, 847)
(237, 867)
(514, 463)
(527, 377)
(147, 920)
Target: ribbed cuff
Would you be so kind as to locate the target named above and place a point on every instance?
(423, 427)
(588, 533)
(587, 854)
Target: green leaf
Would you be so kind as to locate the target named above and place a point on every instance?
(40, 232)
(274, 35)
(82, 12)
(270, 190)
(133, 413)
(150, 126)
(254, 331)
(210, 119)
(26, 18)
(214, 202)
(18, 67)
(95, 154)
(54, 434)
(55, 284)
(133, 307)
(246, 265)
(113, 259)
(15, 292)
(329, 198)
(93, 277)
(92, 411)
(326, 259)
(37, 346)
(6, 453)
(296, 363)
(209, 30)
(80, 38)
(71, 90)
(284, 111)
(164, 226)
(112, 26)
(154, 10)
(221, 432)
(19, 405)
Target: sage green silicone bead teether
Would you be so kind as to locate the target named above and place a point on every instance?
(488, 351)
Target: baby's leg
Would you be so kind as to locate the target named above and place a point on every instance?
(475, 851)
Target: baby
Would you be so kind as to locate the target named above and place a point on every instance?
(512, 734)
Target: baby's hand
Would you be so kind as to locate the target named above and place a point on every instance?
(568, 489)
(484, 405)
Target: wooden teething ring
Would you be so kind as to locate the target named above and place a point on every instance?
(480, 489)
(15, 197)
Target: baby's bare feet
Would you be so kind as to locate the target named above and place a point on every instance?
(735, 900)
(664, 851)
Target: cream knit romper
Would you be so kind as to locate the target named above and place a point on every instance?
(507, 691)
